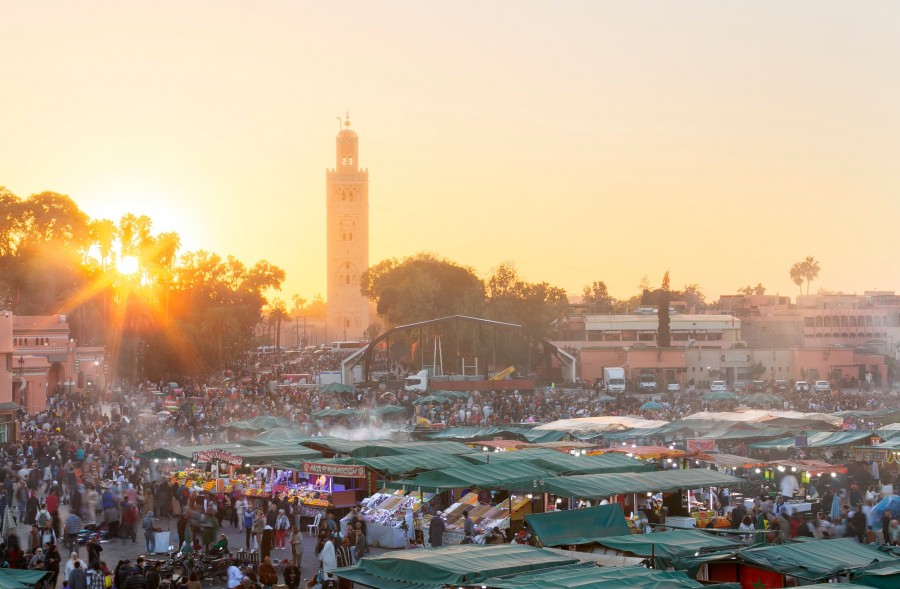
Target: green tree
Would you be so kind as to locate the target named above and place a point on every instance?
(535, 305)
(422, 287)
(277, 316)
(597, 296)
(693, 296)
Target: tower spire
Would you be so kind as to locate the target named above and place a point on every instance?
(347, 118)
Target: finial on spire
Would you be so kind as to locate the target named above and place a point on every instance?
(347, 118)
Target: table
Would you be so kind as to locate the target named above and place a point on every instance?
(678, 521)
(386, 536)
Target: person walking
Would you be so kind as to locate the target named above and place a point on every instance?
(149, 534)
(296, 546)
(78, 577)
(247, 526)
(436, 529)
(360, 545)
(281, 526)
(259, 525)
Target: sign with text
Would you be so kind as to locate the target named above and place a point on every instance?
(348, 471)
(217, 455)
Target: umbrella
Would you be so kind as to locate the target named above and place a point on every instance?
(719, 396)
(605, 399)
(430, 399)
(388, 410)
(761, 399)
(8, 522)
(651, 406)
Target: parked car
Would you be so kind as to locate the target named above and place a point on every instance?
(673, 387)
(801, 386)
(758, 386)
(781, 386)
(740, 386)
(718, 385)
(822, 386)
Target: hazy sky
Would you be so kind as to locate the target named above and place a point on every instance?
(583, 140)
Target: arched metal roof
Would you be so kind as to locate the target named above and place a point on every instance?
(364, 355)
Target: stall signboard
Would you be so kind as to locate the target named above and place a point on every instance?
(873, 454)
(347, 471)
(217, 455)
(701, 445)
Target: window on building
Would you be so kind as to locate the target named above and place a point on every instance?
(350, 161)
(343, 161)
(348, 278)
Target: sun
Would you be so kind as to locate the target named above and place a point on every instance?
(127, 265)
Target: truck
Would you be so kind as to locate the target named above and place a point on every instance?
(422, 381)
(647, 383)
(328, 376)
(614, 379)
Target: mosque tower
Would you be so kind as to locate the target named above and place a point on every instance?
(347, 226)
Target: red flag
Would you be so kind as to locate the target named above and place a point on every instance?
(754, 578)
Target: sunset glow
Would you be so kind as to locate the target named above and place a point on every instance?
(583, 141)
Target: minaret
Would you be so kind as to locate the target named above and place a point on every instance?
(347, 212)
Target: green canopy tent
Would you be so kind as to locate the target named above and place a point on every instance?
(589, 576)
(817, 440)
(409, 464)
(261, 423)
(21, 579)
(816, 560)
(566, 464)
(761, 400)
(387, 410)
(336, 388)
(338, 413)
(719, 396)
(475, 434)
(279, 435)
(885, 577)
(390, 448)
(667, 546)
(599, 486)
(450, 565)
(650, 406)
(431, 399)
(578, 526)
(519, 474)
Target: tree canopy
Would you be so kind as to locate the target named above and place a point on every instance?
(186, 313)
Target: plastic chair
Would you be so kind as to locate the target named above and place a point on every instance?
(313, 528)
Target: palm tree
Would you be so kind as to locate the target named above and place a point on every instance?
(277, 315)
(103, 234)
(218, 323)
(810, 270)
(797, 275)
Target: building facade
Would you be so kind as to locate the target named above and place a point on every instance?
(635, 330)
(347, 227)
(870, 320)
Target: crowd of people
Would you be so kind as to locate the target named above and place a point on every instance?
(77, 454)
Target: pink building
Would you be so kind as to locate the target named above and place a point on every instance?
(666, 364)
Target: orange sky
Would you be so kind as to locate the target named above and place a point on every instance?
(582, 140)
